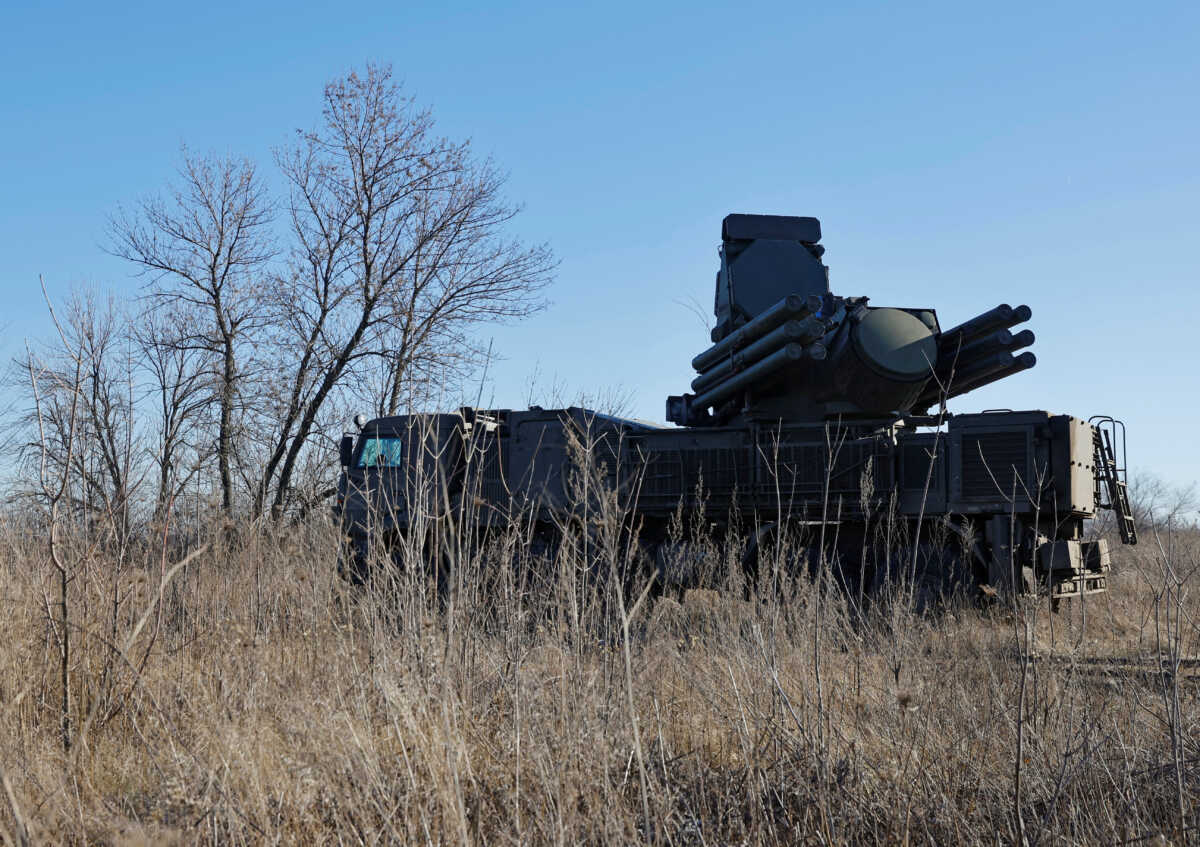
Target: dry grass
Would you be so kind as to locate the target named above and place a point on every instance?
(262, 702)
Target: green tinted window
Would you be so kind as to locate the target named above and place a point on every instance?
(380, 452)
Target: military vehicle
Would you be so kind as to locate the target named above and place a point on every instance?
(813, 415)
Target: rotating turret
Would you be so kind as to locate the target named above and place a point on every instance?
(786, 348)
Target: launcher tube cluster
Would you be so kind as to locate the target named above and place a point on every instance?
(802, 332)
(979, 352)
(792, 306)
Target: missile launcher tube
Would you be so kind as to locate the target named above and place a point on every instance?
(1000, 341)
(982, 367)
(802, 331)
(965, 372)
(1022, 339)
(1023, 362)
(792, 306)
(978, 373)
(756, 373)
(1001, 317)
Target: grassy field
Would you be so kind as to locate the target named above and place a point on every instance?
(261, 701)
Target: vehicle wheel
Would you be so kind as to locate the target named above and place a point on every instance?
(774, 565)
(934, 577)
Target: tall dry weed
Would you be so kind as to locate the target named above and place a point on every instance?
(537, 693)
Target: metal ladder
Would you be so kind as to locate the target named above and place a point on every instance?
(1114, 478)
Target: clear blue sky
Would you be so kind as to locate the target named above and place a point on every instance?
(959, 155)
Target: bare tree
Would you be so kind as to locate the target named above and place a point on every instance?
(399, 250)
(207, 246)
(80, 426)
(108, 460)
(1157, 503)
(178, 392)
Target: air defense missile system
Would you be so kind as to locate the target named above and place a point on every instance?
(812, 414)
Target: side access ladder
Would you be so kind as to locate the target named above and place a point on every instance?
(1114, 478)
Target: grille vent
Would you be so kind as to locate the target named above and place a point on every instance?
(677, 472)
(492, 485)
(802, 469)
(994, 465)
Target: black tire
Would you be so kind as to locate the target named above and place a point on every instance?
(937, 575)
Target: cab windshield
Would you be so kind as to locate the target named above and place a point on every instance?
(380, 451)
